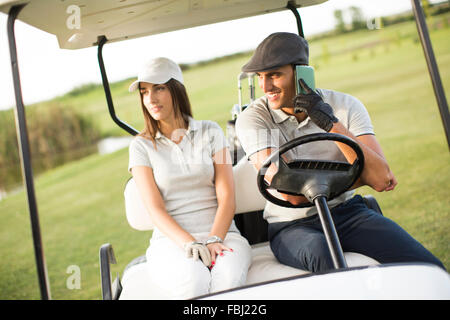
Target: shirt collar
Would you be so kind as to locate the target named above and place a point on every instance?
(193, 125)
(158, 135)
(278, 115)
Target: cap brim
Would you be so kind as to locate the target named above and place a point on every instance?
(133, 86)
(253, 65)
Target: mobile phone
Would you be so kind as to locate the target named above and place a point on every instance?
(307, 74)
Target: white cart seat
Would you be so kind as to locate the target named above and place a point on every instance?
(136, 282)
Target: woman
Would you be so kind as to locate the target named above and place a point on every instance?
(183, 171)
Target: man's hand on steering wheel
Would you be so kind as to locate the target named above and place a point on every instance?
(257, 159)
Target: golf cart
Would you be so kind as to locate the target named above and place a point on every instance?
(355, 276)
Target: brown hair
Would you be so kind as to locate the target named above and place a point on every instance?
(181, 106)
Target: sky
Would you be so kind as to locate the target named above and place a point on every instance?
(47, 71)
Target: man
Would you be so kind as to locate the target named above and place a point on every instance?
(295, 235)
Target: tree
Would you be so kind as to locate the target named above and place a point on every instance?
(340, 24)
(358, 21)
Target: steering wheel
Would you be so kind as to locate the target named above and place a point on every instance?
(310, 178)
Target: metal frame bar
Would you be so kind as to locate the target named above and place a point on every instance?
(101, 42)
(106, 258)
(294, 10)
(432, 66)
(25, 157)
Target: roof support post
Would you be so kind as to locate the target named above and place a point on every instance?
(294, 10)
(25, 157)
(432, 66)
(101, 41)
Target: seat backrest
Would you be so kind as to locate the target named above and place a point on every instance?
(137, 215)
(248, 198)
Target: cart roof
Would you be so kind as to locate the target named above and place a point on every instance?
(125, 19)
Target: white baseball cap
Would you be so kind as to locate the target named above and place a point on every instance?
(157, 71)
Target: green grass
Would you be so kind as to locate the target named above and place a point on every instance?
(81, 203)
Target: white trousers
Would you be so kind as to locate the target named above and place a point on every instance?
(185, 278)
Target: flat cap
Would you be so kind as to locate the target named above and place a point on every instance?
(278, 49)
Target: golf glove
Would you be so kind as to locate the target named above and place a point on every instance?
(197, 249)
(320, 112)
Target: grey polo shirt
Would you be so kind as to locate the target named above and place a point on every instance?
(259, 127)
(184, 173)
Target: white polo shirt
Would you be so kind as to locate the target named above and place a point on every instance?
(259, 127)
(184, 173)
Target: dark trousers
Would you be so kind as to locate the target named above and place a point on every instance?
(302, 244)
